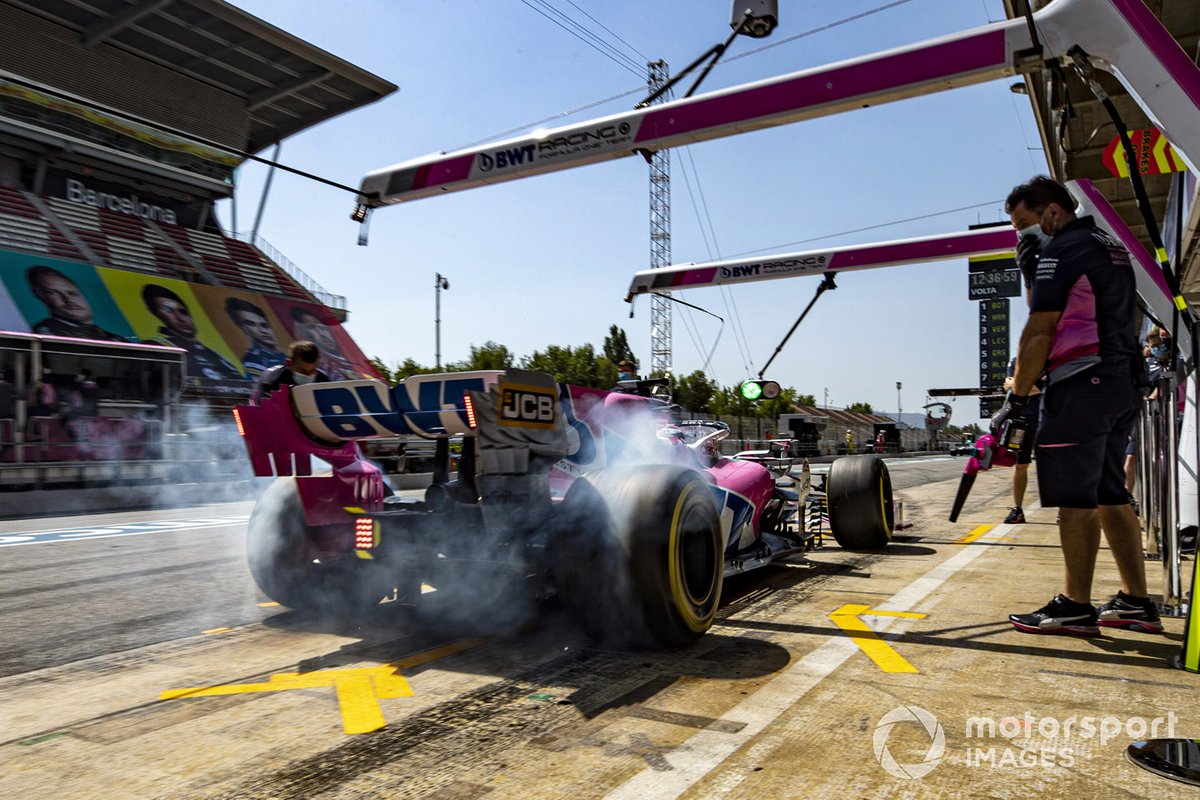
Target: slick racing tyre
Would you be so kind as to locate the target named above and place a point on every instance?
(288, 567)
(859, 493)
(639, 557)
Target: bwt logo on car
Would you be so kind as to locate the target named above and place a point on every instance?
(366, 409)
(526, 407)
(509, 157)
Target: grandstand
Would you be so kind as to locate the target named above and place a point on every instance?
(121, 125)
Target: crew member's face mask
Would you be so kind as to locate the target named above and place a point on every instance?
(1160, 351)
(301, 378)
(1035, 230)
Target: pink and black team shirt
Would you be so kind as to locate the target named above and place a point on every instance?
(1086, 274)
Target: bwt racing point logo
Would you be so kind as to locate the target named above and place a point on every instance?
(579, 141)
(510, 157)
(780, 267)
(937, 742)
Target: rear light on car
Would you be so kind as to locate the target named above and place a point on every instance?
(364, 533)
(237, 420)
(469, 405)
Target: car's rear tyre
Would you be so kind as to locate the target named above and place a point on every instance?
(640, 557)
(859, 494)
(287, 564)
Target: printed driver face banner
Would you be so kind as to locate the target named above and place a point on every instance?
(340, 357)
(230, 336)
(11, 318)
(165, 311)
(249, 324)
(59, 298)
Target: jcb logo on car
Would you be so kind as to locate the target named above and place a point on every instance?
(526, 407)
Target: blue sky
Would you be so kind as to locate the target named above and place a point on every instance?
(547, 260)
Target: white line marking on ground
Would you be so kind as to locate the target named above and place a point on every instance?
(706, 750)
(15, 538)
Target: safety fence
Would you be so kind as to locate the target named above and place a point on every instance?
(1156, 488)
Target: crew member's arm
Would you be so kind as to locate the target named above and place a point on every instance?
(1036, 341)
(267, 382)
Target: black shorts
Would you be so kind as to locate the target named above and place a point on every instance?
(1085, 425)
(1031, 415)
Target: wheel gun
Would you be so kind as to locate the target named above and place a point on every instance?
(990, 452)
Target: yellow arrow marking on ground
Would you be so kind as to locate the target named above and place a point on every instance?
(358, 689)
(974, 534)
(848, 619)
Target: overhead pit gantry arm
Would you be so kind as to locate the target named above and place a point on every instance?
(1152, 287)
(988, 241)
(1121, 36)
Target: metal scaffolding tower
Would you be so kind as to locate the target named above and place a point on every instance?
(660, 235)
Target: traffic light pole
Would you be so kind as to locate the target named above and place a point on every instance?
(827, 283)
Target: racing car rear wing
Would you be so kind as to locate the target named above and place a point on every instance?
(430, 406)
(1119, 35)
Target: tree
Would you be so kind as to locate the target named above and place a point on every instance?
(806, 400)
(489, 355)
(383, 369)
(728, 401)
(784, 404)
(695, 392)
(580, 366)
(616, 347)
(861, 408)
(409, 367)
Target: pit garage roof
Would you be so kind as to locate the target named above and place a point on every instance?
(287, 84)
(1075, 130)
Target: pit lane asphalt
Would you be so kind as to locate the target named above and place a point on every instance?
(87, 619)
(81, 586)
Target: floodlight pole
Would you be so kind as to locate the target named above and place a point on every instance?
(439, 283)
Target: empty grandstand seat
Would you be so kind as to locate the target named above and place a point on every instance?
(237, 264)
(123, 241)
(23, 227)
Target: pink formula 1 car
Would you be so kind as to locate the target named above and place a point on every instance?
(632, 518)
